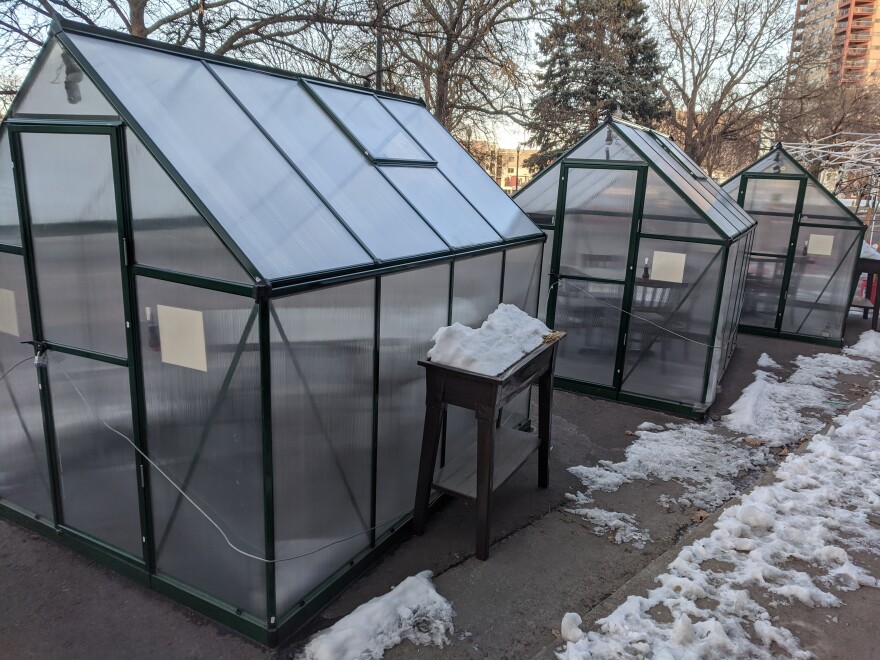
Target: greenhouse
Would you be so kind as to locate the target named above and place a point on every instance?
(646, 260)
(801, 274)
(227, 275)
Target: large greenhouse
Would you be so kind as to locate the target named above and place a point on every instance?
(801, 273)
(645, 263)
(228, 274)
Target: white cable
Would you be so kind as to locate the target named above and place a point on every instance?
(10, 370)
(635, 316)
(197, 507)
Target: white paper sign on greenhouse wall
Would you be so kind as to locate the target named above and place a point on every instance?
(182, 337)
(668, 266)
(8, 313)
(820, 244)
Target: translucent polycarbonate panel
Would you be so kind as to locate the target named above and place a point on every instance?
(522, 277)
(724, 323)
(72, 201)
(476, 293)
(372, 125)
(265, 207)
(328, 159)
(59, 86)
(9, 227)
(201, 373)
(763, 288)
(606, 144)
(538, 199)
(99, 483)
(168, 231)
(590, 313)
(476, 290)
(731, 187)
(772, 203)
(821, 207)
(414, 304)
(666, 213)
(463, 171)
(24, 470)
(598, 222)
(718, 208)
(820, 288)
(670, 330)
(546, 267)
(451, 215)
(322, 421)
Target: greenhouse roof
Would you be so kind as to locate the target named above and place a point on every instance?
(299, 177)
(621, 141)
(819, 203)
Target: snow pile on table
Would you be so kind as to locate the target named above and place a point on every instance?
(503, 339)
(814, 516)
(413, 610)
(868, 251)
(767, 362)
(621, 525)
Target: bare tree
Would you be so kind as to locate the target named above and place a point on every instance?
(726, 62)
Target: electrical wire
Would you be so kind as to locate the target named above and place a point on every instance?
(12, 368)
(635, 316)
(200, 509)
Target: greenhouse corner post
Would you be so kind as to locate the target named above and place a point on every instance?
(710, 351)
(374, 449)
(36, 320)
(262, 292)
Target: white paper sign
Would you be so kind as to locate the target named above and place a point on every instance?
(8, 313)
(182, 337)
(820, 244)
(668, 266)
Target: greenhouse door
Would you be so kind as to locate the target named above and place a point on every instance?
(592, 269)
(74, 240)
(775, 202)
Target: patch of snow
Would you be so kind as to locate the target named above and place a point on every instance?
(570, 629)
(649, 426)
(504, 338)
(693, 455)
(815, 514)
(773, 410)
(868, 346)
(868, 251)
(622, 525)
(767, 362)
(413, 610)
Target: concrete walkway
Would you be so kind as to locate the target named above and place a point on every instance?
(544, 562)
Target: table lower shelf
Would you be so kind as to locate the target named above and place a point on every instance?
(512, 448)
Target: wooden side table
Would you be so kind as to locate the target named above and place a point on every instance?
(872, 268)
(485, 395)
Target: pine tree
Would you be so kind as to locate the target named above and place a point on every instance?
(598, 57)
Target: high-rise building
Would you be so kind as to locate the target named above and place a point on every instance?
(840, 38)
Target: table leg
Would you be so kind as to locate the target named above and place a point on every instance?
(876, 312)
(545, 412)
(485, 474)
(430, 443)
(868, 289)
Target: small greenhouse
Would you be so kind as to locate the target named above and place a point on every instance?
(229, 274)
(801, 273)
(645, 259)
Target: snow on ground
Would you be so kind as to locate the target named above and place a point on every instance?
(790, 541)
(622, 526)
(707, 459)
(413, 610)
(504, 338)
(767, 362)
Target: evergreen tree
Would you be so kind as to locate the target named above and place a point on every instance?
(598, 57)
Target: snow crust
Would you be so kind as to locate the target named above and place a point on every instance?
(413, 610)
(790, 541)
(767, 362)
(504, 338)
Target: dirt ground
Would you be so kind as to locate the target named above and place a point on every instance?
(544, 562)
